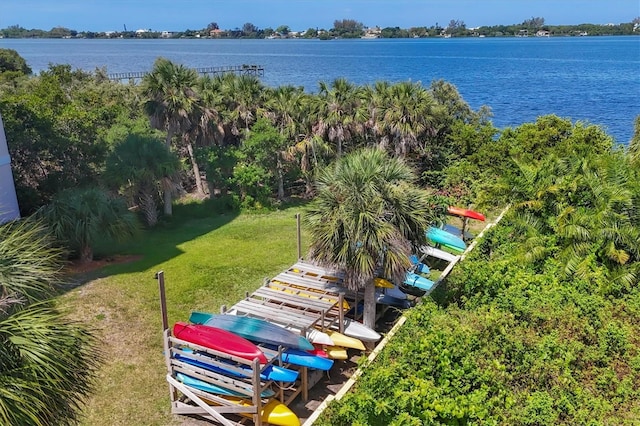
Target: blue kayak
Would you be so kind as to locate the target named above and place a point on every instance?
(420, 282)
(304, 358)
(270, 372)
(211, 388)
(446, 239)
(418, 266)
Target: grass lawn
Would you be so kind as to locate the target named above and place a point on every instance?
(208, 262)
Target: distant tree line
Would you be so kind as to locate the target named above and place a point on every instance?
(343, 28)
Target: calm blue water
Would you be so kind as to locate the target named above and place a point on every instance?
(591, 79)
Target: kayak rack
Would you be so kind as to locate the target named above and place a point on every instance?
(196, 401)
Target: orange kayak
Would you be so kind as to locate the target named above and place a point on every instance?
(459, 211)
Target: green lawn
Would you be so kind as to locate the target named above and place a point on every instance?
(208, 262)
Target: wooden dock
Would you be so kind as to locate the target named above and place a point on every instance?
(257, 70)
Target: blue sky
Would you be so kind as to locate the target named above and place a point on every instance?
(159, 15)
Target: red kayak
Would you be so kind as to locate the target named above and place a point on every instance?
(458, 211)
(218, 340)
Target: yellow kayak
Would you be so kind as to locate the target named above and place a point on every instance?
(340, 339)
(273, 412)
(345, 304)
(382, 283)
(336, 352)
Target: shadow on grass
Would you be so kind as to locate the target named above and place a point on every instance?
(156, 246)
(153, 246)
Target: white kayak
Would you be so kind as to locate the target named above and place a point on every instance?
(437, 253)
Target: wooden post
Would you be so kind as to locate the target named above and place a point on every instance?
(163, 300)
(298, 235)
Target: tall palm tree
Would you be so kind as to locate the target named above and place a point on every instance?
(47, 363)
(340, 114)
(405, 117)
(243, 96)
(172, 106)
(367, 217)
(284, 107)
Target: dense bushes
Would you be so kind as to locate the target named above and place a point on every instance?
(540, 325)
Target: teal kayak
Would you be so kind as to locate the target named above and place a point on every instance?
(211, 388)
(446, 239)
(254, 329)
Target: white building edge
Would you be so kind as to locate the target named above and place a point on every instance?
(8, 200)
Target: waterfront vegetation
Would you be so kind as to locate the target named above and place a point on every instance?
(346, 28)
(539, 325)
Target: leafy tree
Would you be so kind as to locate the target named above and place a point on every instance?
(143, 167)
(81, 217)
(259, 163)
(366, 219)
(47, 363)
(348, 28)
(249, 30)
(11, 61)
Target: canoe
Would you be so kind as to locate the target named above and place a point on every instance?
(340, 339)
(446, 239)
(219, 390)
(273, 412)
(219, 340)
(254, 329)
(270, 372)
(319, 352)
(415, 280)
(438, 254)
(459, 211)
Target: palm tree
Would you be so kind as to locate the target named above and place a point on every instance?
(405, 117)
(144, 167)
(634, 144)
(340, 113)
(81, 217)
(47, 363)
(243, 98)
(172, 104)
(367, 218)
(284, 107)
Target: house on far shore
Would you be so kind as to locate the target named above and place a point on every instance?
(543, 33)
(8, 200)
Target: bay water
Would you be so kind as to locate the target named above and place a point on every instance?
(590, 79)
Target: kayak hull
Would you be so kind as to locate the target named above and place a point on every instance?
(460, 212)
(446, 239)
(219, 340)
(254, 329)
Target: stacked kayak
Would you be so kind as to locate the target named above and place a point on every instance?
(465, 213)
(445, 239)
(218, 340)
(254, 329)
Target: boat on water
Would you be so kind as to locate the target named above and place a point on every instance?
(253, 329)
(219, 340)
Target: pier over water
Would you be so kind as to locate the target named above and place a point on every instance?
(257, 70)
